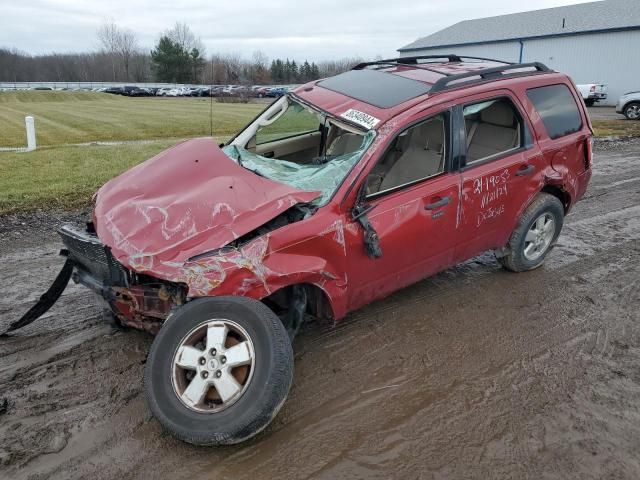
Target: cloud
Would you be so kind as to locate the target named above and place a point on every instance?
(280, 28)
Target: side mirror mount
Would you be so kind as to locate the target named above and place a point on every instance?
(359, 213)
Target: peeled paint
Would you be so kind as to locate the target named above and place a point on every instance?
(195, 199)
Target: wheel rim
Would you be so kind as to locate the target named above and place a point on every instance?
(633, 112)
(212, 366)
(539, 237)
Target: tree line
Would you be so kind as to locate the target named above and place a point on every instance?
(178, 57)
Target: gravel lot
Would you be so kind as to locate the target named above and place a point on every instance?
(604, 113)
(474, 373)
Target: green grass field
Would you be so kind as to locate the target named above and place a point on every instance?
(65, 177)
(64, 118)
(60, 175)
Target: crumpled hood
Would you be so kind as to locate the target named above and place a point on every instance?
(184, 201)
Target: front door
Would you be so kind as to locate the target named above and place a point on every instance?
(415, 199)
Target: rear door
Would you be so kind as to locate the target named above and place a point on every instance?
(414, 195)
(500, 170)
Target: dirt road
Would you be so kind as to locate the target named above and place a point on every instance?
(475, 373)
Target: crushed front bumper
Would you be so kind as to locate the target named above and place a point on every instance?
(135, 300)
(95, 266)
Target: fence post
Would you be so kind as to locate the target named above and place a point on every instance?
(31, 133)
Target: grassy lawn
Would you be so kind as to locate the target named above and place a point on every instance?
(617, 128)
(64, 177)
(64, 118)
(59, 175)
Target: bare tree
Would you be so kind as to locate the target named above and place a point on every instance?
(108, 34)
(127, 46)
(120, 44)
(183, 36)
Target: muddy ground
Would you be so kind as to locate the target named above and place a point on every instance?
(475, 373)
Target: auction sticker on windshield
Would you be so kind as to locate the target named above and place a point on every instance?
(361, 118)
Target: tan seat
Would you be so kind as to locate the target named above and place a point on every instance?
(495, 132)
(345, 143)
(423, 156)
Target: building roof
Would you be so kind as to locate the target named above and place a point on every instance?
(569, 20)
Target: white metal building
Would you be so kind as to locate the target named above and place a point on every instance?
(596, 42)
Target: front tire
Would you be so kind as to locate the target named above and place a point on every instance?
(535, 234)
(632, 111)
(219, 370)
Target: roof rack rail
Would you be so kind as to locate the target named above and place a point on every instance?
(414, 60)
(488, 74)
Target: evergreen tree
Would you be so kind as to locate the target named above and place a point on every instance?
(305, 71)
(173, 64)
(315, 71)
(287, 72)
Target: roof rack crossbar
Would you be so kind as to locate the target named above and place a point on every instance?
(414, 60)
(421, 66)
(487, 74)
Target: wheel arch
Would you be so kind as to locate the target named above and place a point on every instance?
(560, 193)
(319, 302)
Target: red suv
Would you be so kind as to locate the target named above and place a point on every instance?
(339, 193)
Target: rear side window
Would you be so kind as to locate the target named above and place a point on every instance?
(557, 108)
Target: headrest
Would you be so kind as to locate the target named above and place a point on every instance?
(498, 114)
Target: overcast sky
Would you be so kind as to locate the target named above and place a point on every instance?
(314, 30)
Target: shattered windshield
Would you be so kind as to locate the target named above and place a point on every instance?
(299, 147)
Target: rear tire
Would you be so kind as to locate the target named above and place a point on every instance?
(590, 102)
(632, 111)
(535, 234)
(253, 396)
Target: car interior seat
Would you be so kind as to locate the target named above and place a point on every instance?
(345, 143)
(422, 157)
(495, 131)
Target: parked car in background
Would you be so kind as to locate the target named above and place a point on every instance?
(336, 195)
(175, 92)
(163, 91)
(592, 93)
(113, 90)
(629, 105)
(262, 92)
(126, 90)
(140, 92)
(277, 92)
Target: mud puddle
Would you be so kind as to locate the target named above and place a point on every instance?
(474, 373)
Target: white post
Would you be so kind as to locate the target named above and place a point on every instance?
(31, 133)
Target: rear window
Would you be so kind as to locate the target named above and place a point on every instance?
(557, 108)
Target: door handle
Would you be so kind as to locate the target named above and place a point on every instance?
(437, 204)
(525, 170)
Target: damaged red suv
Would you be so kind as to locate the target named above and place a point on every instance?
(339, 193)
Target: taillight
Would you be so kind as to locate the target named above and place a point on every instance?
(593, 89)
(588, 153)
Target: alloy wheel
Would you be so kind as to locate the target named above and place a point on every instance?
(539, 237)
(213, 365)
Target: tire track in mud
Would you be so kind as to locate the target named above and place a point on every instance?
(473, 373)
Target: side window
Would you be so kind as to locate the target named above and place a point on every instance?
(557, 108)
(493, 127)
(415, 154)
(295, 121)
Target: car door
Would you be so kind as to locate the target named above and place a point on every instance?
(413, 198)
(500, 166)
